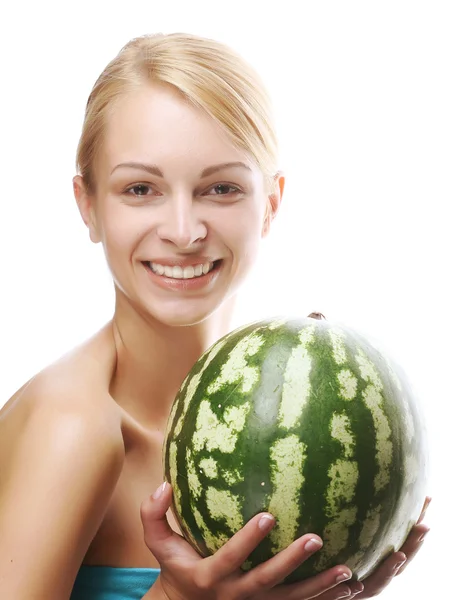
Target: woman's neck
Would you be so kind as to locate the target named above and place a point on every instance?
(153, 359)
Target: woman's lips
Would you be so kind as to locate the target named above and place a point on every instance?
(180, 283)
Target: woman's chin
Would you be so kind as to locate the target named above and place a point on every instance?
(182, 315)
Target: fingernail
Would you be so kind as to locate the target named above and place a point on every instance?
(343, 577)
(266, 522)
(312, 545)
(425, 508)
(158, 493)
(344, 594)
(399, 565)
(357, 588)
(422, 537)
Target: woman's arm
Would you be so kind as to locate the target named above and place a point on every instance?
(56, 482)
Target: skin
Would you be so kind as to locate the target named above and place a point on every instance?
(115, 391)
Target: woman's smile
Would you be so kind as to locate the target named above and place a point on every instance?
(195, 276)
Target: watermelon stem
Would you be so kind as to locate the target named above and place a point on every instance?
(317, 315)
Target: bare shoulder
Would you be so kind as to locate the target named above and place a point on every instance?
(61, 455)
(73, 392)
(78, 381)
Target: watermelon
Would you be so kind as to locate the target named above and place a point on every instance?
(308, 420)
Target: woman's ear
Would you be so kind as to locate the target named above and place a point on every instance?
(274, 201)
(85, 203)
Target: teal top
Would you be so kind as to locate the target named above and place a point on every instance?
(112, 583)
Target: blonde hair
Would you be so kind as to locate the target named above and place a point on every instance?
(207, 73)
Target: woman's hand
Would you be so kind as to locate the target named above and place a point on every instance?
(397, 562)
(187, 576)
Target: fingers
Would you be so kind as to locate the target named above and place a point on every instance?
(235, 552)
(275, 570)
(159, 536)
(382, 576)
(424, 509)
(413, 544)
(152, 512)
(398, 561)
(263, 581)
(341, 591)
(299, 591)
(322, 587)
(356, 587)
(415, 538)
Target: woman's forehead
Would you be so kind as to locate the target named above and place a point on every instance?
(155, 123)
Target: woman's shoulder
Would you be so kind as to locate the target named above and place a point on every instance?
(61, 445)
(76, 385)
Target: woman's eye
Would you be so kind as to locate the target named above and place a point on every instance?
(222, 189)
(138, 190)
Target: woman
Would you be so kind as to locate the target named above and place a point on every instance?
(178, 179)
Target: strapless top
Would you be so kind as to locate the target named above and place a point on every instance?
(112, 583)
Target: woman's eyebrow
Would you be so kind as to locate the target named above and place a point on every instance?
(154, 169)
(214, 168)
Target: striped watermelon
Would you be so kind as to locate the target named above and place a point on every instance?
(309, 421)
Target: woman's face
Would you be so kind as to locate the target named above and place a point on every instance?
(180, 231)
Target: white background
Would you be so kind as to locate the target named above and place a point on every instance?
(363, 95)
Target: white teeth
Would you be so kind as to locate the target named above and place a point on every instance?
(182, 273)
(177, 273)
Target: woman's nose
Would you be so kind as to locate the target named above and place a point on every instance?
(181, 223)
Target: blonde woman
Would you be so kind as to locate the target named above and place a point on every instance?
(178, 180)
